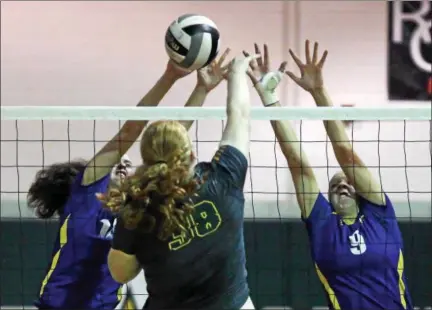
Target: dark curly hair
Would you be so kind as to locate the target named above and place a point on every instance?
(157, 197)
(50, 190)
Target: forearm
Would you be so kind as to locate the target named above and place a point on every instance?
(238, 99)
(131, 129)
(301, 172)
(289, 143)
(157, 92)
(111, 153)
(237, 129)
(342, 146)
(335, 128)
(196, 99)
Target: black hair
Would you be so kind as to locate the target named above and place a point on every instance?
(51, 188)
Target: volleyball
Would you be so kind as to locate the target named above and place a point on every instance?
(192, 41)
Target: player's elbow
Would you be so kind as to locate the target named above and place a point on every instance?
(118, 277)
(123, 267)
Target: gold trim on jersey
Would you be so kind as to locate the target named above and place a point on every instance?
(331, 294)
(62, 241)
(400, 269)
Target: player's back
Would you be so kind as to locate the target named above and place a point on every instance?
(78, 275)
(205, 267)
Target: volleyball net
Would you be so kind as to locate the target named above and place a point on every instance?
(395, 143)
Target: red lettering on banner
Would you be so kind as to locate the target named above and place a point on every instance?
(429, 86)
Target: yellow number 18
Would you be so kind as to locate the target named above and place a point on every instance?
(203, 222)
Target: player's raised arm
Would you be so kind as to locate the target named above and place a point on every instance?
(355, 170)
(237, 129)
(102, 163)
(265, 82)
(208, 79)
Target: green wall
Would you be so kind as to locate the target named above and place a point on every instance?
(280, 269)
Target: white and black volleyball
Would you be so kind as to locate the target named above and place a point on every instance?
(192, 41)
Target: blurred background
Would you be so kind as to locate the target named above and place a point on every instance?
(81, 53)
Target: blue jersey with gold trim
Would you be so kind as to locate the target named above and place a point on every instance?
(361, 266)
(204, 268)
(78, 276)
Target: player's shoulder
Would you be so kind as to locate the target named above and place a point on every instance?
(231, 154)
(382, 211)
(82, 198)
(321, 209)
(100, 185)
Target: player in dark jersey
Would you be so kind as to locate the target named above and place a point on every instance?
(186, 232)
(354, 236)
(78, 276)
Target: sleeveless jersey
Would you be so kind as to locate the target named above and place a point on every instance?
(361, 266)
(78, 276)
(204, 268)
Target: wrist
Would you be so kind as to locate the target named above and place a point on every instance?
(268, 98)
(321, 98)
(317, 92)
(266, 88)
(275, 104)
(201, 89)
(168, 79)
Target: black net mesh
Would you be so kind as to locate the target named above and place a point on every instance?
(280, 269)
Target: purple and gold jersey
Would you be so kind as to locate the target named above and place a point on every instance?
(78, 276)
(361, 266)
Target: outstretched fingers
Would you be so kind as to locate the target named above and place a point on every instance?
(266, 58)
(315, 53)
(223, 57)
(322, 60)
(296, 59)
(253, 66)
(251, 58)
(258, 61)
(282, 67)
(307, 52)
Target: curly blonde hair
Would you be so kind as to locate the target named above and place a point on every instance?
(162, 185)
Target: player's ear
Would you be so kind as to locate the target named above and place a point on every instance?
(192, 157)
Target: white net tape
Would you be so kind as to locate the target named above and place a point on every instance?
(180, 113)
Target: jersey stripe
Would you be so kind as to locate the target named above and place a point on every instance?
(400, 269)
(63, 241)
(331, 294)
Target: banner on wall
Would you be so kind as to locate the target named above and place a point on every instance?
(409, 50)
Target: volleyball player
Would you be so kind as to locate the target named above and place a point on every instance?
(78, 277)
(186, 230)
(354, 237)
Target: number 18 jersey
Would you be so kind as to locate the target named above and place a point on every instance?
(204, 268)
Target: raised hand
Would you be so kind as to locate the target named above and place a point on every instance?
(260, 67)
(209, 77)
(265, 80)
(173, 72)
(310, 72)
(241, 64)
